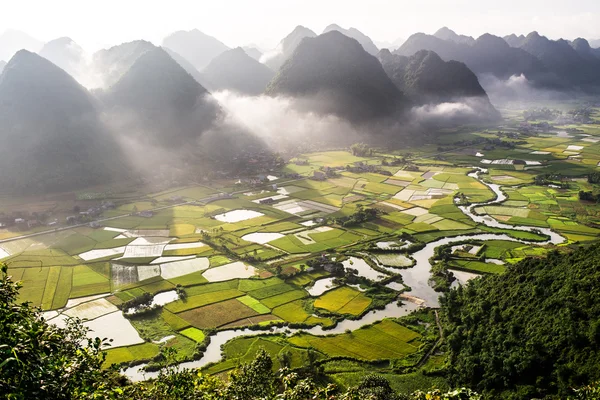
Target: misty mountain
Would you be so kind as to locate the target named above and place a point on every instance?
(2, 65)
(354, 33)
(339, 77)
(52, 138)
(235, 70)
(427, 79)
(284, 50)
(577, 68)
(595, 43)
(114, 62)
(253, 52)
(156, 101)
(66, 54)
(196, 47)
(448, 34)
(189, 68)
(489, 54)
(12, 41)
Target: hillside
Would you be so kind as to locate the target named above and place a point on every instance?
(52, 140)
(340, 76)
(532, 332)
(196, 47)
(253, 52)
(284, 50)
(111, 64)
(164, 104)
(354, 33)
(237, 71)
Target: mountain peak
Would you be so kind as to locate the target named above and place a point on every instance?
(347, 81)
(354, 33)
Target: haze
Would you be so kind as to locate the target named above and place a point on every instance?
(98, 24)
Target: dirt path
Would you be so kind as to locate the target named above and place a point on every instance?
(437, 344)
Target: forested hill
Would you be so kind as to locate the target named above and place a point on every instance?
(531, 332)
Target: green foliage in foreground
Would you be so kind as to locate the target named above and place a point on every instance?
(532, 332)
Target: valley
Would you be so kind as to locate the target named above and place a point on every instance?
(322, 267)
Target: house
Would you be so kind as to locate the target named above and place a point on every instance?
(146, 214)
(32, 223)
(71, 219)
(52, 223)
(19, 221)
(268, 200)
(94, 224)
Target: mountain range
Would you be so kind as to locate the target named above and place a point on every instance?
(339, 77)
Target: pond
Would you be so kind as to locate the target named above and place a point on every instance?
(262, 237)
(364, 269)
(238, 215)
(164, 298)
(462, 277)
(321, 286)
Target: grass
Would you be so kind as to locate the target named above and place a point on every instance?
(295, 312)
(194, 334)
(121, 355)
(87, 282)
(270, 291)
(254, 304)
(478, 266)
(384, 340)
(284, 298)
(343, 300)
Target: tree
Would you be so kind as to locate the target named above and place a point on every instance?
(254, 380)
(41, 361)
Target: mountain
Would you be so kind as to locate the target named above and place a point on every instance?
(595, 43)
(275, 58)
(12, 41)
(424, 76)
(583, 48)
(235, 70)
(564, 60)
(66, 54)
(196, 47)
(514, 40)
(52, 138)
(253, 52)
(189, 68)
(159, 102)
(489, 54)
(448, 34)
(427, 79)
(2, 65)
(340, 77)
(114, 62)
(354, 33)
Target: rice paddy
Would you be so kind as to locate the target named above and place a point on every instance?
(243, 261)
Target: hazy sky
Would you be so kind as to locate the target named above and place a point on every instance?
(100, 23)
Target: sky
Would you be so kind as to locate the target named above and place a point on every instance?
(96, 24)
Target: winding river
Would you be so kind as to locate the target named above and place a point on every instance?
(416, 277)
